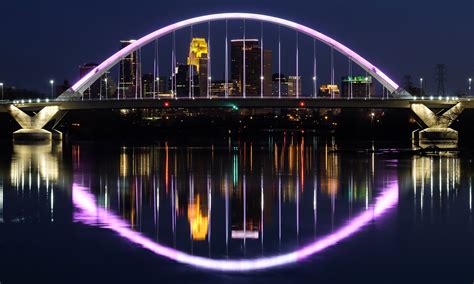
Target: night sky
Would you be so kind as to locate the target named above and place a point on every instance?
(43, 40)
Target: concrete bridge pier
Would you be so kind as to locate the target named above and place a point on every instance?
(437, 132)
(32, 126)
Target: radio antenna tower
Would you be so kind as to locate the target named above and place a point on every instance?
(440, 76)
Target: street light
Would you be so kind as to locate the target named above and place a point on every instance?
(1, 85)
(421, 87)
(51, 82)
(470, 84)
(106, 88)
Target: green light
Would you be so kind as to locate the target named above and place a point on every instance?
(234, 107)
(357, 79)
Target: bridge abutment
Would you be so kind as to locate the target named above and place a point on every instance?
(32, 126)
(437, 132)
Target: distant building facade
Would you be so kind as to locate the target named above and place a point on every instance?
(130, 68)
(253, 68)
(279, 85)
(294, 86)
(329, 91)
(357, 87)
(198, 57)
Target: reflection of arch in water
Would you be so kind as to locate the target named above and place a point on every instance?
(88, 212)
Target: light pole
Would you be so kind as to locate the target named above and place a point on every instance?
(421, 87)
(106, 95)
(469, 89)
(51, 82)
(1, 86)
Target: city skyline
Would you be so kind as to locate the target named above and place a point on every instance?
(420, 59)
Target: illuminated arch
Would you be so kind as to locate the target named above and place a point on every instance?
(86, 209)
(83, 84)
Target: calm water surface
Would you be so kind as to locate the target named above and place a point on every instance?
(274, 209)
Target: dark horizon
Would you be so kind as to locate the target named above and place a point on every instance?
(49, 40)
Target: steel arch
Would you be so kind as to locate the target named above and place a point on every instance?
(80, 86)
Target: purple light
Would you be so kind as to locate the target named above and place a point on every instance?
(89, 213)
(97, 72)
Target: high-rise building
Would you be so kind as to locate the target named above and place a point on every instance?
(294, 86)
(198, 56)
(163, 85)
(329, 91)
(182, 80)
(218, 88)
(148, 89)
(129, 85)
(279, 88)
(267, 72)
(94, 89)
(253, 72)
(100, 88)
(358, 87)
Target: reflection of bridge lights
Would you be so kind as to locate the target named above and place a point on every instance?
(89, 213)
(34, 159)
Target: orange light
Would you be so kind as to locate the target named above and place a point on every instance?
(166, 104)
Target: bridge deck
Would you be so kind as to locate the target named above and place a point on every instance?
(237, 102)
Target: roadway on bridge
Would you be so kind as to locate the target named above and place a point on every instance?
(249, 102)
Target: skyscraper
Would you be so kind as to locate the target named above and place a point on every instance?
(357, 87)
(253, 56)
(279, 88)
(101, 88)
(94, 89)
(294, 86)
(183, 82)
(198, 56)
(129, 73)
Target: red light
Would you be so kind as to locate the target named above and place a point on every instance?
(166, 104)
(301, 104)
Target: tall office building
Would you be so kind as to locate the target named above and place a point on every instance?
(101, 87)
(198, 57)
(252, 67)
(183, 82)
(358, 86)
(294, 86)
(149, 85)
(267, 72)
(279, 85)
(130, 77)
(327, 91)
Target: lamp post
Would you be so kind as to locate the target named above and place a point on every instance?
(51, 82)
(421, 87)
(106, 89)
(1, 86)
(469, 89)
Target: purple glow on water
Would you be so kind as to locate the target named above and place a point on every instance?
(87, 212)
(97, 72)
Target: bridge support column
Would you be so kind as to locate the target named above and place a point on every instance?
(437, 132)
(32, 126)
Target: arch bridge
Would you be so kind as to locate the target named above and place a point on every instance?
(393, 96)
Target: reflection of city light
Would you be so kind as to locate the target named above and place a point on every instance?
(30, 158)
(198, 222)
(89, 213)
